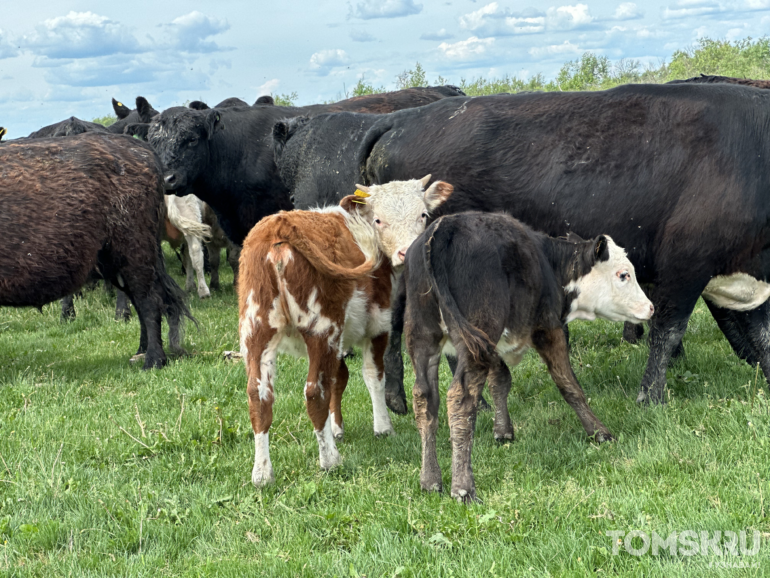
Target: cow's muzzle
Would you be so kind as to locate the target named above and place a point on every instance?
(173, 181)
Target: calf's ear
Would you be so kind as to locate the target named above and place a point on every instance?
(266, 100)
(437, 193)
(213, 122)
(356, 204)
(601, 248)
(121, 110)
(145, 110)
(198, 105)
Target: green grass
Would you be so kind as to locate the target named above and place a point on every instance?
(107, 470)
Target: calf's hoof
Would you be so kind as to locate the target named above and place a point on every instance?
(396, 402)
(388, 431)
(330, 460)
(602, 437)
(153, 362)
(504, 437)
(430, 481)
(649, 397)
(260, 478)
(338, 431)
(465, 496)
(204, 294)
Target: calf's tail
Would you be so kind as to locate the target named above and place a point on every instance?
(188, 227)
(478, 343)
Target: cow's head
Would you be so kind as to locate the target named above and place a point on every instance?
(398, 211)
(181, 138)
(606, 284)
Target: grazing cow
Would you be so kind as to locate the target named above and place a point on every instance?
(315, 283)
(185, 223)
(676, 174)
(490, 288)
(69, 206)
(224, 156)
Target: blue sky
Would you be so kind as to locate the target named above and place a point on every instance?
(59, 59)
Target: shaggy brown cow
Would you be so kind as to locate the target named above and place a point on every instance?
(314, 283)
(92, 201)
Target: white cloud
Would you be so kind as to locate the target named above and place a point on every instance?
(565, 48)
(569, 17)
(689, 8)
(369, 9)
(79, 35)
(440, 35)
(325, 60)
(7, 50)
(361, 36)
(466, 49)
(268, 87)
(627, 11)
(757, 4)
(191, 31)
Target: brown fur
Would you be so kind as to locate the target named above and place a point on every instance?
(69, 206)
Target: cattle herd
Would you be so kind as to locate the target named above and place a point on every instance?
(476, 227)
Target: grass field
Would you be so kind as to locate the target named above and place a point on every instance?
(107, 470)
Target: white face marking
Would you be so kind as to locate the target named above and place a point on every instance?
(610, 291)
(376, 387)
(739, 292)
(327, 448)
(263, 469)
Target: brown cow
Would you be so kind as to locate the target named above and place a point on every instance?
(314, 283)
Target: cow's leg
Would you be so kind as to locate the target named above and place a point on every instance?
(259, 350)
(552, 347)
(195, 258)
(667, 327)
(214, 252)
(748, 333)
(233, 254)
(338, 388)
(122, 308)
(395, 396)
(452, 362)
(632, 332)
(462, 405)
(148, 311)
(499, 386)
(323, 367)
(109, 288)
(374, 377)
(68, 308)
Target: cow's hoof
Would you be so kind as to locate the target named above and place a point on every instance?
(465, 496)
(396, 403)
(602, 437)
(504, 437)
(385, 432)
(153, 362)
(261, 478)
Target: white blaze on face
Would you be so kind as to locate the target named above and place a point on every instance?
(610, 291)
(399, 211)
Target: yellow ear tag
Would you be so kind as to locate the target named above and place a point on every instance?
(358, 202)
(120, 104)
(360, 193)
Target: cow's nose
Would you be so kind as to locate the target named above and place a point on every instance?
(402, 254)
(652, 309)
(170, 179)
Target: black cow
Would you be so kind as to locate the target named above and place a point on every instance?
(226, 103)
(70, 126)
(677, 174)
(491, 288)
(63, 213)
(712, 79)
(224, 156)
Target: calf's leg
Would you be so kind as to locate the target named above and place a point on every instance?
(122, 308)
(552, 347)
(374, 377)
(338, 388)
(499, 386)
(195, 258)
(261, 349)
(68, 308)
(323, 368)
(426, 356)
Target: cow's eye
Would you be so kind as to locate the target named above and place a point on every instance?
(425, 215)
(624, 275)
(193, 142)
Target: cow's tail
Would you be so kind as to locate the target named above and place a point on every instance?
(174, 304)
(479, 345)
(188, 227)
(371, 138)
(323, 264)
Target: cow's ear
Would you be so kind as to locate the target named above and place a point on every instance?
(355, 204)
(145, 110)
(121, 110)
(213, 122)
(437, 193)
(198, 105)
(265, 100)
(601, 248)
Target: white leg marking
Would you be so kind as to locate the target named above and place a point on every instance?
(262, 473)
(337, 431)
(327, 449)
(267, 367)
(195, 249)
(376, 387)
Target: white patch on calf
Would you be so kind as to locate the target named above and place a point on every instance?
(263, 469)
(603, 293)
(327, 448)
(376, 387)
(267, 368)
(356, 320)
(248, 323)
(739, 292)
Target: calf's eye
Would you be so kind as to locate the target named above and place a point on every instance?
(377, 222)
(624, 275)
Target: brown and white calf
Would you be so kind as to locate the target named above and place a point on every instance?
(490, 288)
(185, 223)
(314, 283)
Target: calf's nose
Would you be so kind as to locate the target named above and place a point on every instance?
(169, 179)
(402, 254)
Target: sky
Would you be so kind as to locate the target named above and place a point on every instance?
(59, 59)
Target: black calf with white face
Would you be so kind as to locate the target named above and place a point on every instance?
(490, 288)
